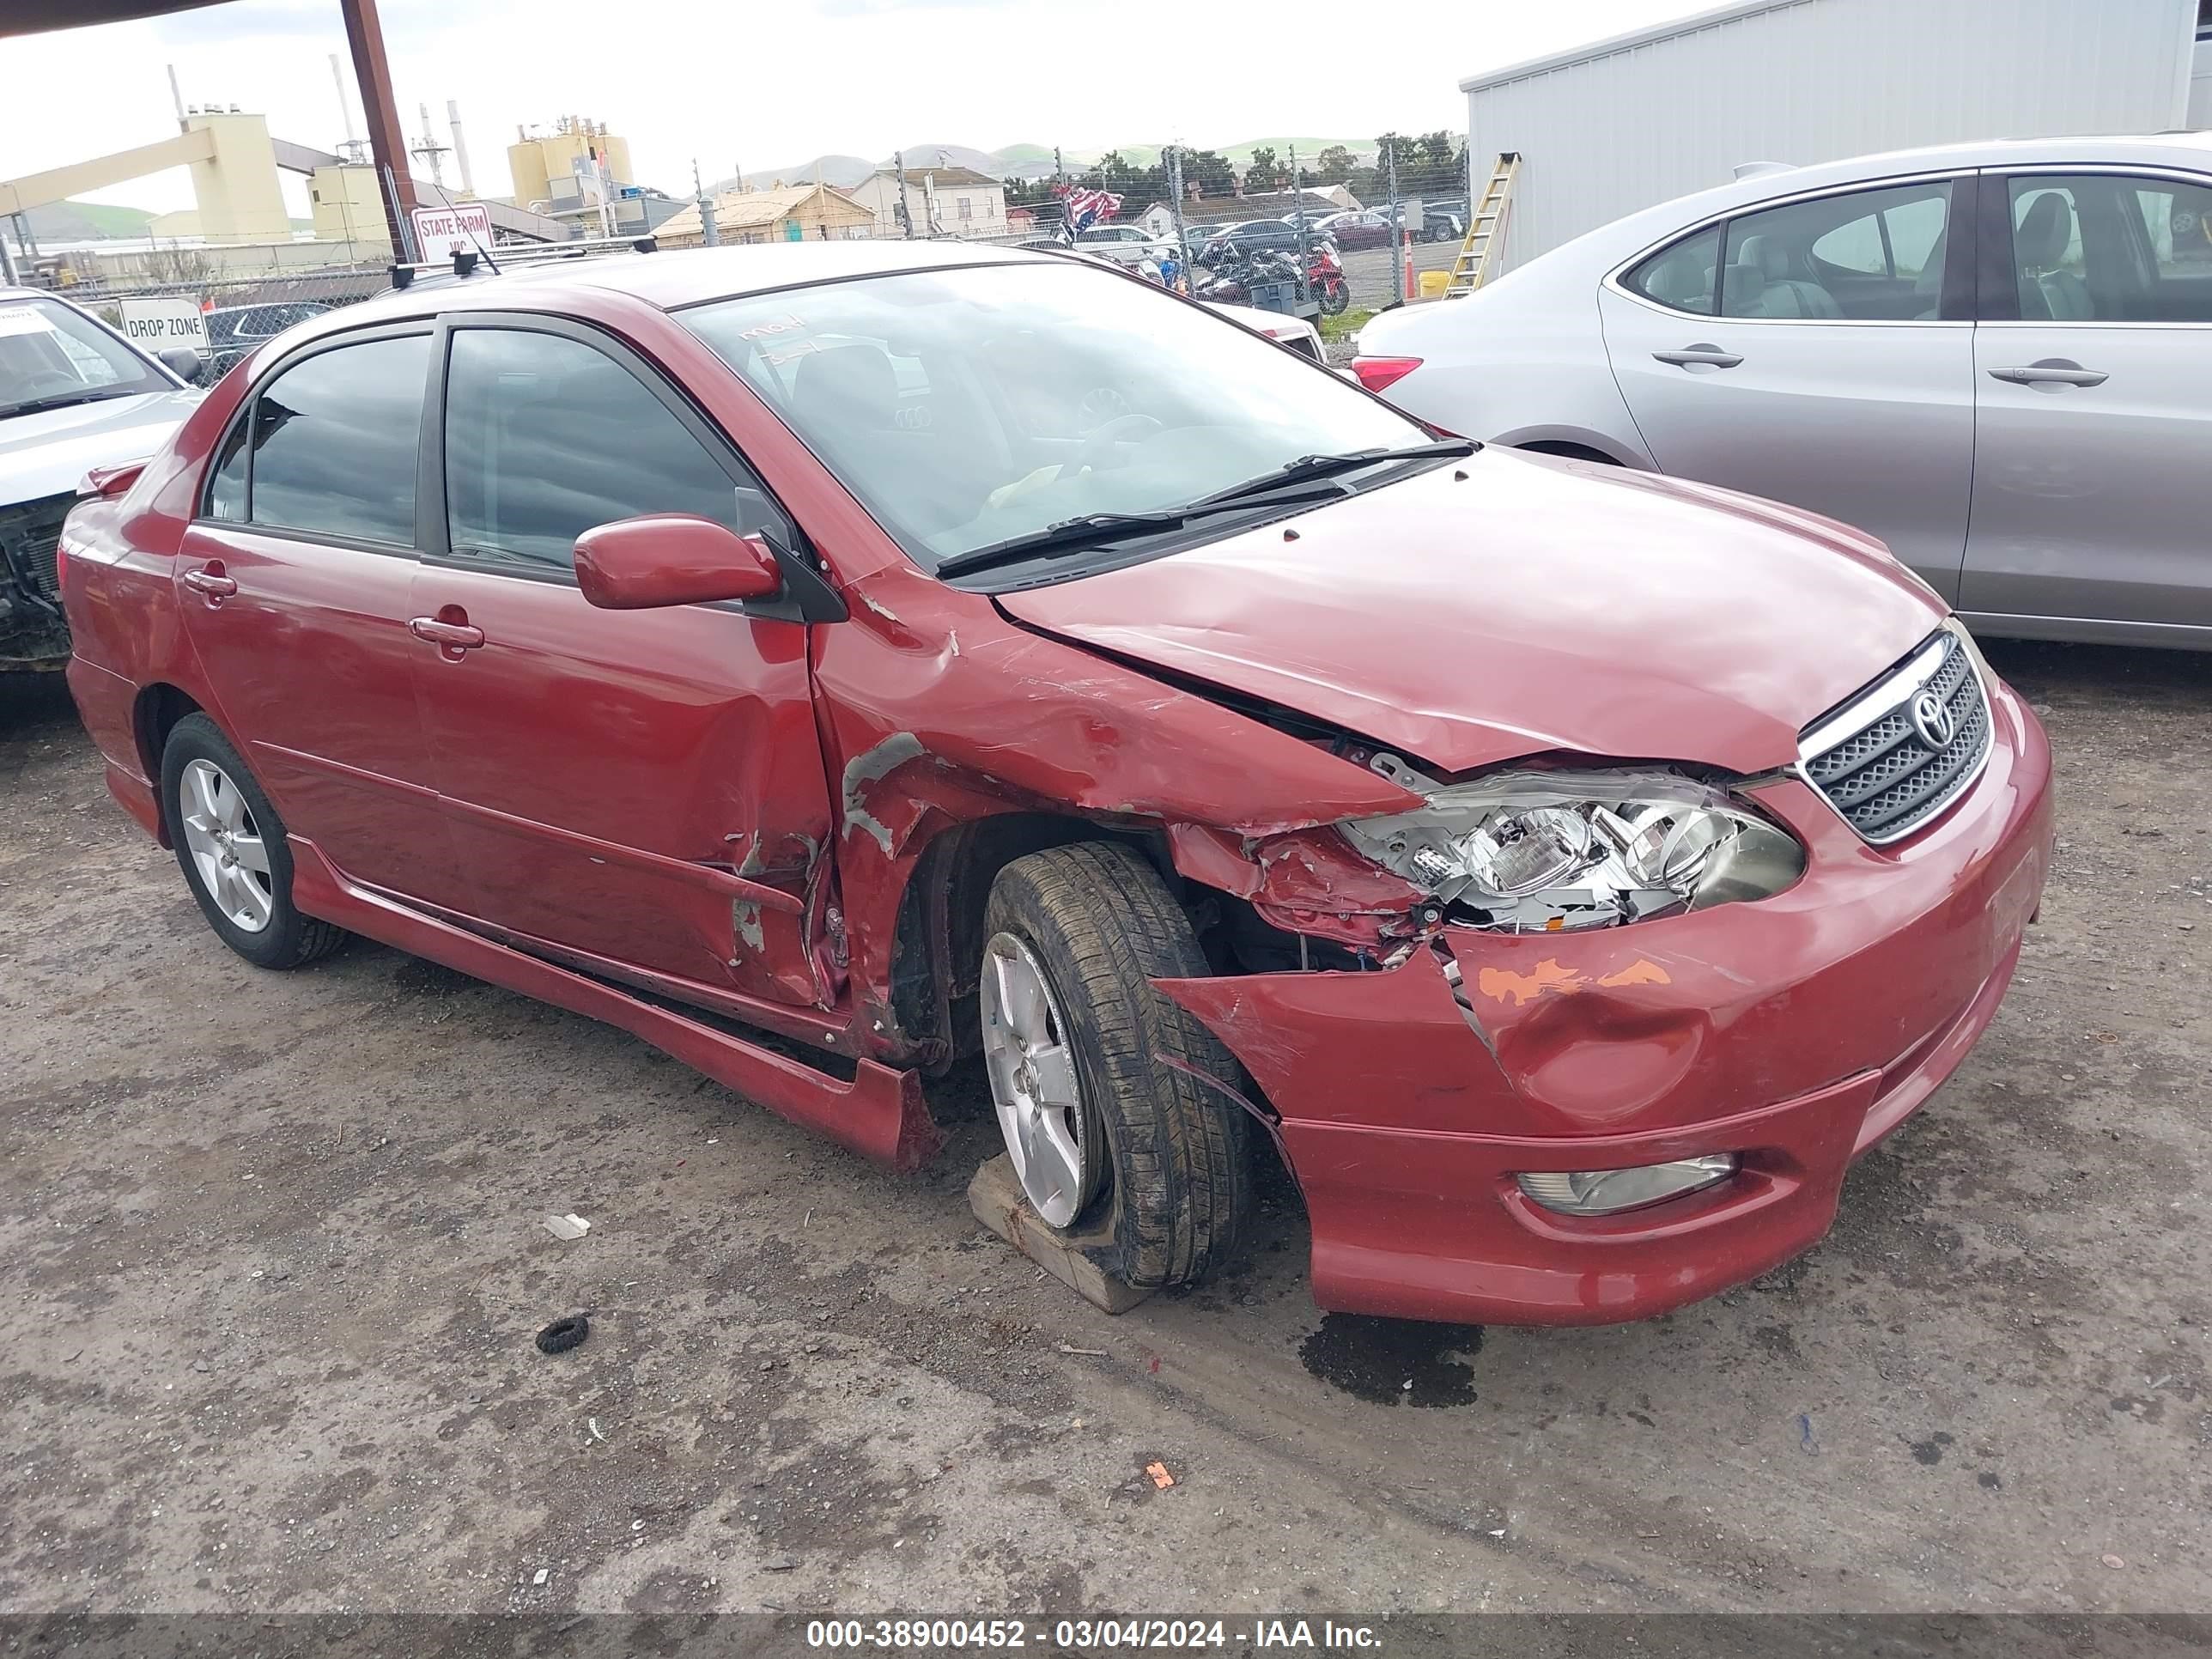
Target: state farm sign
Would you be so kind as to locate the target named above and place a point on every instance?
(458, 228)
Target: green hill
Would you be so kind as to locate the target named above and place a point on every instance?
(1309, 149)
(78, 221)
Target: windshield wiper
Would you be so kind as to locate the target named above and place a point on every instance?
(1097, 529)
(65, 400)
(1323, 467)
(1091, 530)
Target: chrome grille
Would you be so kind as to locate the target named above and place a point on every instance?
(1871, 760)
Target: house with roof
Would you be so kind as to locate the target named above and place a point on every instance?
(788, 214)
(941, 201)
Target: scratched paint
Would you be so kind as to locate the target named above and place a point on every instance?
(1548, 978)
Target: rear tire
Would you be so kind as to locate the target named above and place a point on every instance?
(1174, 1190)
(231, 845)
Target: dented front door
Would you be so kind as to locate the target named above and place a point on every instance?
(638, 791)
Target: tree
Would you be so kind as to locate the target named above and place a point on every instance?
(1264, 172)
(1209, 173)
(1336, 165)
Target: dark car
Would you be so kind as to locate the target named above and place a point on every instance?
(234, 330)
(890, 652)
(1250, 236)
(1349, 231)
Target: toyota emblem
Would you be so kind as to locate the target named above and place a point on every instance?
(1931, 719)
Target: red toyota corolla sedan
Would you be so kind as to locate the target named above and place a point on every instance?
(916, 651)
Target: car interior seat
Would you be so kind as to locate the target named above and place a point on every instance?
(2038, 246)
(847, 397)
(1780, 294)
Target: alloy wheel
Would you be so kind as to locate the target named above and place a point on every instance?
(226, 846)
(1058, 1150)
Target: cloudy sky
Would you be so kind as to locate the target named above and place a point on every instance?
(731, 82)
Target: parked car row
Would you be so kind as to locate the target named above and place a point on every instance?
(916, 650)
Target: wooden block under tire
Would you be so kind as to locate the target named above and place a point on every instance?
(995, 1195)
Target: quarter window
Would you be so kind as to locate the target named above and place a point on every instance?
(226, 497)
(1681, 277)
(547, 436)
(334, 443)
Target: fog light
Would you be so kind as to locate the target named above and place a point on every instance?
(1608, 1192)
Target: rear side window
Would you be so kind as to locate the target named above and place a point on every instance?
(1680, 276)
(546, 436)
(334, 438)
(1873, 255)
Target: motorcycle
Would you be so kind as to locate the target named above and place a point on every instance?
(1236, 272)
(1325, 280)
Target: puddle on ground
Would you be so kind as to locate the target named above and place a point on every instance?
(1395, 1361)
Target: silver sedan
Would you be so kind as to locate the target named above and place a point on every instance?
(1996, 357)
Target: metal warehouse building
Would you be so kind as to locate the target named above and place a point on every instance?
(1618, 125)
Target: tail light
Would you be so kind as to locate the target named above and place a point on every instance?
(1376, 373)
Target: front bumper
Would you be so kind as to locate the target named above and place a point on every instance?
(1797, 1032)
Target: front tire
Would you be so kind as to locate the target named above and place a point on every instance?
(231, 845)
(1104, 1124)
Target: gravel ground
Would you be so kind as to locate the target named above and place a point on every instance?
(271, 1260)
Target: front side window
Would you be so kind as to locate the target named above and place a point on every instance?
(53, 356)
(546, 437)
(2107, 247)
(1872, 255)
(334, 443)
(969, 406)
(1683, 277)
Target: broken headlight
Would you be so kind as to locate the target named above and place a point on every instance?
(1538, 852)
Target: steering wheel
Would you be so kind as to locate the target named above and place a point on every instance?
(1101, 443)
(1103, 403)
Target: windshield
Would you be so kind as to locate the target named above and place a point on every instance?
(51, 355)
(968, 407)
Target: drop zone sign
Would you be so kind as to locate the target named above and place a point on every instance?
(163, 323)
(460, 228)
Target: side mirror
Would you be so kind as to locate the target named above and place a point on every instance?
(183, 363)
(671, 558)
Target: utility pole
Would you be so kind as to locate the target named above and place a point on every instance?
(710, 234)
(1298, 212)
(1060, 184)
(1175, 208)
(431, 150)
(905, 212)
(1402, 253)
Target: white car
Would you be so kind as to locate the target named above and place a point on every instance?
(1995, 357)
(1296, 332)
(75, 395)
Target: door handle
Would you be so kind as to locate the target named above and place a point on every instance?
(451, 637)
(209, 581)
(1700, 353)
(2051, 371)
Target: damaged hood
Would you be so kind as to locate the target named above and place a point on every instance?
(1536, 605)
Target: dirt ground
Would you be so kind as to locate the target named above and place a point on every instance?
(272, 1261)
